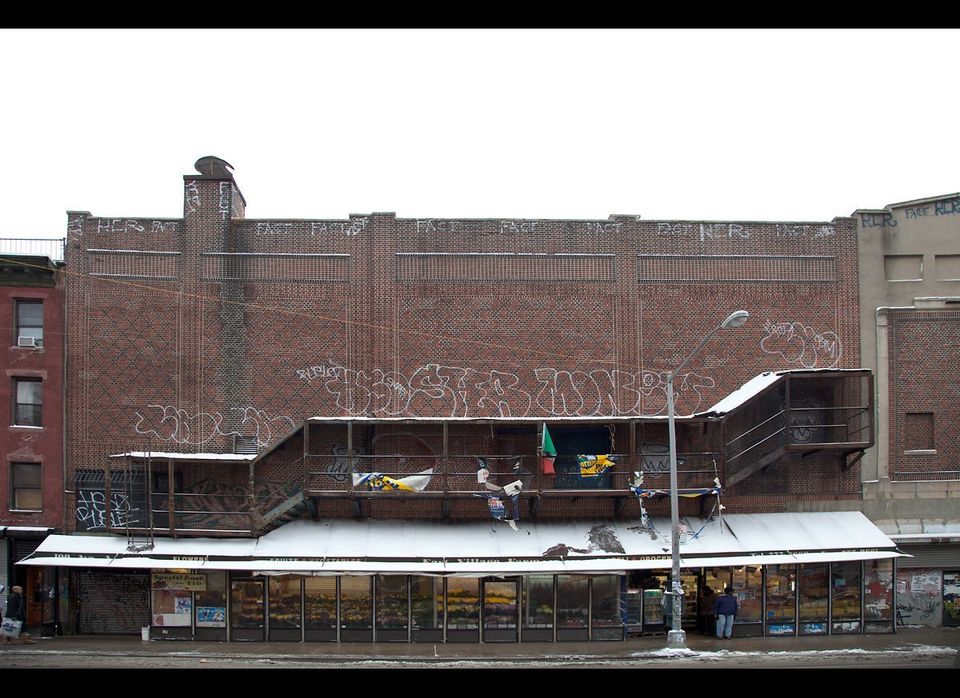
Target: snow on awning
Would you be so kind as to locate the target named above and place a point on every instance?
(176, 455)
(346, 546)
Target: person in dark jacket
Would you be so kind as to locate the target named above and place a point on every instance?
(725, 609)
(16, 610)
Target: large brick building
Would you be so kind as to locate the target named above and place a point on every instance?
(225, 375)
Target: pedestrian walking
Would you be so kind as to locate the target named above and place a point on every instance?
(725, 609)
(16, 612)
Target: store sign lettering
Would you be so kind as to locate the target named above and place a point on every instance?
(179, 582)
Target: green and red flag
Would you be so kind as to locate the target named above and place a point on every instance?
(548, 453)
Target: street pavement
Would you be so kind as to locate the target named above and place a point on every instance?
(907, 648)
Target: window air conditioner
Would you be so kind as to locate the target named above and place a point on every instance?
(29, 342)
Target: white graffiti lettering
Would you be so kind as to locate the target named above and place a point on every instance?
(799, 344)
(468, 392)
(92, 509)
(171, 425)
(118, 225)
(191, 197)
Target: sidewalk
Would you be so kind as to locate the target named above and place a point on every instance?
(941, 641)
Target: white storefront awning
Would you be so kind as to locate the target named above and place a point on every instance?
(346, 546)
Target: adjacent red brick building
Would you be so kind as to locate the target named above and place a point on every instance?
(31, 410)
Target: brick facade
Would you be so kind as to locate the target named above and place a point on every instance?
(184, 334)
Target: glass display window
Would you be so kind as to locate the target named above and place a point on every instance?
(747, 582)
(573, 601)
(605, 600)
(285, 602)
(246, 605)
(538, 601)
(211, 604)
(391, 603)
(426, 602)
(845, 600)
(781, 588)
(878, 591)
(813, 587)
(463, 603)
(356, 603)
(172, 598)
(320, 603)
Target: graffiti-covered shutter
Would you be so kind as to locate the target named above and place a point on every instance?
(113, 603)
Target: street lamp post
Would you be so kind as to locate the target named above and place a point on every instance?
(676, 637)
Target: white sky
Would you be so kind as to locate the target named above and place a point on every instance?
(698, 124)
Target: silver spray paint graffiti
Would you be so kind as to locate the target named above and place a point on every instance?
(797, 343)
(467, 392)
(168, 424)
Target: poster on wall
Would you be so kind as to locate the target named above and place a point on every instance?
(211, 617)
(921, 603)
(951, 598)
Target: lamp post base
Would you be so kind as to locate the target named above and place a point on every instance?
(677, 639)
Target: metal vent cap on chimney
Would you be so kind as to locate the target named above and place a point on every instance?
(212, 166)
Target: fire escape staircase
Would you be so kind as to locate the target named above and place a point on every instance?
(287, 503)
(784, 426)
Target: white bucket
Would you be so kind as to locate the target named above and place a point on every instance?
(145, 633)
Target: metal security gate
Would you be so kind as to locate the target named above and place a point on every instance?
(112, 603)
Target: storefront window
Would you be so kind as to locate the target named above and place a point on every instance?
(814, 598)
(747, 587)
(320, 603)
(538, 601)
(285, 603)
(391, 602)
(356, 603)
(606, 602)
(845, 582)
(172, 597)
(246, 604)
(781, 599)
(427, 602)
(573, 601)
(212, 603)
(878, 595)
(463, 604)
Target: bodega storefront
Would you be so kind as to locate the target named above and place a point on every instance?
(428, 581)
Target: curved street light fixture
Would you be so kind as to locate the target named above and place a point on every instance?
(676, 637)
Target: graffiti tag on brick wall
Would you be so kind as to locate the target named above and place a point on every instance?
(466, 392)
(191, 197)
(431, 225)
(803, 230)
(168, 424)
(797, 343)
(518, 227)
(225, 199)
(92, 510)
(347, 228)
(75, 228)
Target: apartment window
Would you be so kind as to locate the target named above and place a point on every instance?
(27, 492)
(28, 409)
(29, 323)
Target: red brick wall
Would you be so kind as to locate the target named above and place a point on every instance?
(923, 355)
(388, 316)
(26, 444)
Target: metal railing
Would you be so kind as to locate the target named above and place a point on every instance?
(33, 247)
